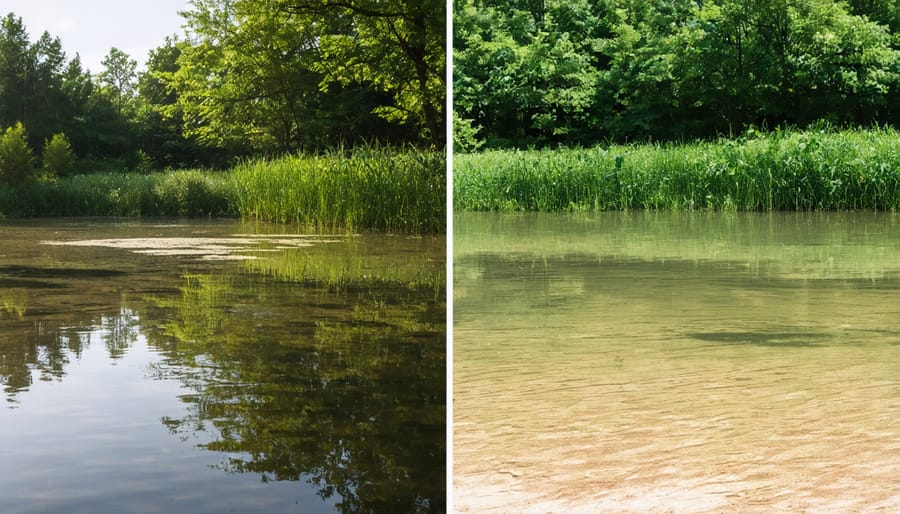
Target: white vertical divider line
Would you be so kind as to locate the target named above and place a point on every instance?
(449, 235)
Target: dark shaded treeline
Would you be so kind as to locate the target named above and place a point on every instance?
(246, 79)
(549, 72)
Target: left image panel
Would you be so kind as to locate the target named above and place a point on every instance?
(223, 256)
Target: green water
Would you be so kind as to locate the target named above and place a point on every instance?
(686, 362)
(185, 366)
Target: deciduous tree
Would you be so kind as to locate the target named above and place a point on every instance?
(119, 75)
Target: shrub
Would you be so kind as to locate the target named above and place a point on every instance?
(16, 158)
(58, 156)
(465, 135)
(143, 163)
(191, 193)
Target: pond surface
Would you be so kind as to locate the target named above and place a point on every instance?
(677, 362)
(218, 366)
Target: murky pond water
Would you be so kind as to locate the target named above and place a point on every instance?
(677, 362)
(215, 366)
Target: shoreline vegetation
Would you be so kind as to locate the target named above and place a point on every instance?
(366, 187)
(820, 168)
(351, 98)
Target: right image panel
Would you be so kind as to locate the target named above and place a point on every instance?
(676, 256)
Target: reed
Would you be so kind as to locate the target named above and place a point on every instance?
(364, 188)
(367, 187)
(179, 193)
(817, 169)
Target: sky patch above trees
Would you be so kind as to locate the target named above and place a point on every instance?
(91, 27)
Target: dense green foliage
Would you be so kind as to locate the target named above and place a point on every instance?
(780, 170)
(363, 188)
(367, 187)
(548, 72)
(180, 193)
(299, 74)
(58, 157)
(295, 74)
(246, 79)
(49, 94)
(16, 157)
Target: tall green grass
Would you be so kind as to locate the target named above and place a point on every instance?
(179, 193)
(782, 170)
(364, 188)
(369, 187)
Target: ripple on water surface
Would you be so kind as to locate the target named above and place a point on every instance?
(142, 371)
(674, 362)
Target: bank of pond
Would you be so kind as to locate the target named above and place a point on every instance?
(816, 169)
(365, 188)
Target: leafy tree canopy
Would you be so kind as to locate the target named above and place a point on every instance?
(547, 72)
(274, 76)
(247, 78)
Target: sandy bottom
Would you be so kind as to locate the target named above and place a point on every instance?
(576, 486)
(786, 431)
(655, 364)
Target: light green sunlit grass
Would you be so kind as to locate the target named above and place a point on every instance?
(373, 187)
(784, 170)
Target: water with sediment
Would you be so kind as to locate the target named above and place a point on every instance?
(677, 362)
(218, 366)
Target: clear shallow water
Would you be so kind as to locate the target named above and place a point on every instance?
(687, 362)
(262, 370)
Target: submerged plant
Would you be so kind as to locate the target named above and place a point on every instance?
(13, 302)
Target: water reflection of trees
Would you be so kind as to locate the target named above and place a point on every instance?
(345, 390)
(342, 388)
(43, 348)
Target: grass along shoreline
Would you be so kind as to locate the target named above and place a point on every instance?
(781, 170)
(365, 188)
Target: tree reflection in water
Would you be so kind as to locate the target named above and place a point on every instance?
(347, 389)
(341, 387)
(44, 347)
